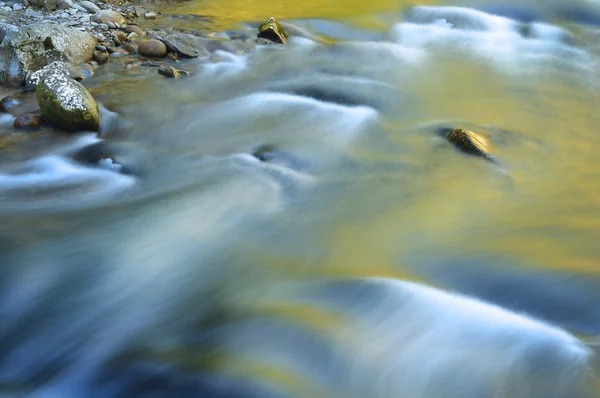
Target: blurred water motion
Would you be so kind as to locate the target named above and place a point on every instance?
(292, 224)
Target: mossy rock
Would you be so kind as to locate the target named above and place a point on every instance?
(67, 104)
(470, 142)
(273, 31)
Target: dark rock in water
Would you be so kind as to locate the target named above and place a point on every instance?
(270, 154)
(30, 48)
(101, 57)
(55, 68)
(106, 16)
(100, 47)
(469, 142)
(169, 71)
(261, 41)
(180, 46)
(29, 121)
(67, 104)
(121, 158)
(152, 48)
(273, 31)
(7, 103)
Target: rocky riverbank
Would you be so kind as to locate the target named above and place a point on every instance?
(62, 41)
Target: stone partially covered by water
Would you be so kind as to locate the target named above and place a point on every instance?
(272, 30)
(67, 104)
(169, 71)
(469, 142)
(30, 48)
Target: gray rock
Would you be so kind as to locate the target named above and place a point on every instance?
(106, 16)
(17, 7)
(64, 4)
(30, 12)
(50, 5)
(55, 68)
(78, 7)
(30, 48)
(179, 45)
(89, 7)
(67, 104)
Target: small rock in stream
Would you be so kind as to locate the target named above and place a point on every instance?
(29, 121)
(272, 30)
(469, 142)
(152, 48)
(67, 104)
(169, 71)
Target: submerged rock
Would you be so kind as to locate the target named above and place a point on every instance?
(169, 71)
(272, 30)
(55, 68)
(32, 47)
(152, 48)
(120, 157)
(179, 45)
(29, 121)
(7, 103)
(469, 142)
(67, 104)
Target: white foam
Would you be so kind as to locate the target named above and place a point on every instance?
(230, 64)
(459, 18)
(54, 180)
(406, 339)
(6, 120)
(491, 38)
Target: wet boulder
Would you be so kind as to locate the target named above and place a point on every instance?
(469, 142)
(272, 30)
(30, 48)
(55, 68)
(67, 104)
(180, 46)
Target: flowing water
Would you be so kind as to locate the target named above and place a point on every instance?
(288, 221)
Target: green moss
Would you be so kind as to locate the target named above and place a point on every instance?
(272, 30)
(86, 119)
